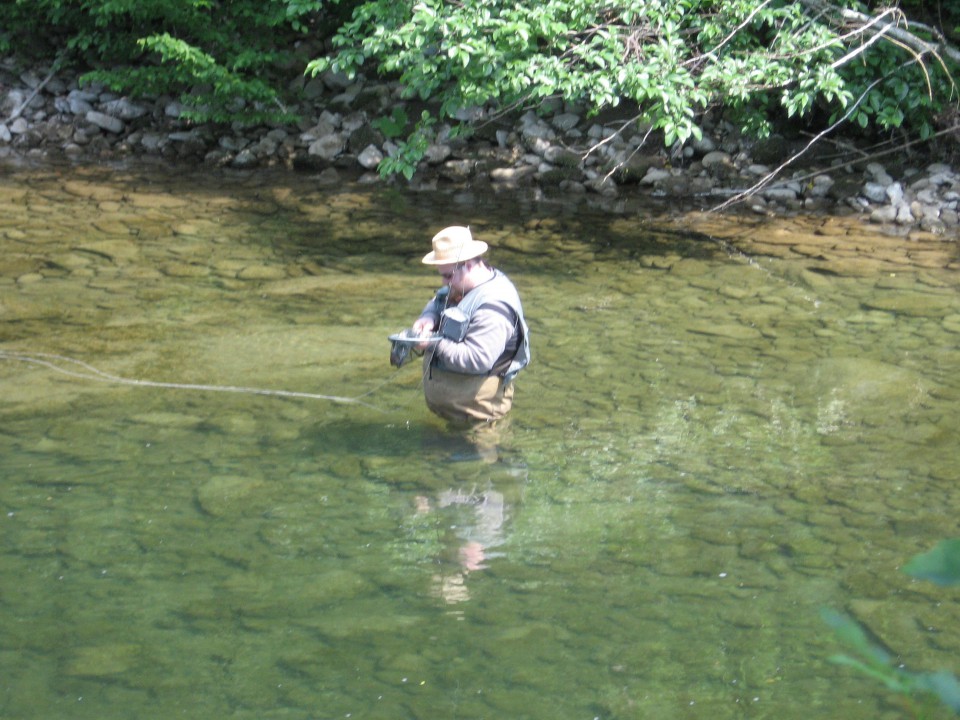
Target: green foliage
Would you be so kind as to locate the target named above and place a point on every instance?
(940, 565)
(670, 60)
(409, 151)
(393, 125)
(896, 91)
(220, 58)
(667, 62)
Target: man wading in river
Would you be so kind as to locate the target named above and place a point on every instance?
(468, 374)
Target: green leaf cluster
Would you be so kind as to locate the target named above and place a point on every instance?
(671, 60)
(220, 57)
(665, 63)
(940, 565)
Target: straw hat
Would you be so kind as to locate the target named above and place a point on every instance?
(454, 245)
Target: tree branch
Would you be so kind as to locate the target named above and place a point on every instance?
(879, 25)
(23, 106)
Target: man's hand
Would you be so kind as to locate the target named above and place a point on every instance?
(424, 326)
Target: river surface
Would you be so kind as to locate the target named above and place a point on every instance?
(219, 500)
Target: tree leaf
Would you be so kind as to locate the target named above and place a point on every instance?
(940, 565)
(942, 684)
(850, 633)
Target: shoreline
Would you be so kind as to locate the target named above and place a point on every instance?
(556, 153)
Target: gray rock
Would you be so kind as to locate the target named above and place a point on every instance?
(603, 186)
(124, 109)
(718, 164)
(336, 80)
(703, 146)
(655, 175)
(904, 216)
(631, 168)
(894, 192)
(105, 122)
(89, 96)
(470, 114)
(820, 188)
(885, 214)
(558, 155)
(780, 194)
(457, 170)
(152, 142)
(437, 154)
(573, 187)
(187, 136)
(246, 158)
(314, 88)
(370, 157)
(513, 176)
(565, 122)
(353, 122)
(933, 225)
(599, 132)
(327, 147)
(173, 109)
(879, 174)
(534, 131)
(12, 100)
(266, 148)
(875, 192)
(326, 126)
(232, 143)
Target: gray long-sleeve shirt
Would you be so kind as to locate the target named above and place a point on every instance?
(491, 333)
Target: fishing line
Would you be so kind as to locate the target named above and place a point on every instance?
(88, 372)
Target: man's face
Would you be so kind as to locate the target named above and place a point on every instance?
(452, 277)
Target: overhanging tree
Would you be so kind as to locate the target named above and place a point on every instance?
(671, 60)
(834, 63)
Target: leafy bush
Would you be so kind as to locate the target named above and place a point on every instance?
(672, 60)
(221, 58)
(669, 61)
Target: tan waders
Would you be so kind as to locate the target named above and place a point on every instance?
(465, 398)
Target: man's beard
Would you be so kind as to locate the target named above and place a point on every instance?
(456, 295)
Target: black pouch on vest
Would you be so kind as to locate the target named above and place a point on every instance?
(453, 324)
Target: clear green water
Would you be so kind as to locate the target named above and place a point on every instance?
(705, 451)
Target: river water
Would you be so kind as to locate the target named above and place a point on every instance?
(710, 446)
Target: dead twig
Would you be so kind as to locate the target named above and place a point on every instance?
(36, 91)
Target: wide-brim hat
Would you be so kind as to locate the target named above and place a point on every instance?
(454, 245)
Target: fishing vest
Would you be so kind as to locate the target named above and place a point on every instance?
(498, 289)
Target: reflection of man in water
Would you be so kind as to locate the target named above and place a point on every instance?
(468, 375)
(478, 535)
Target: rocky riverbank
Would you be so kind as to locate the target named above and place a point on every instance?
(558, 151)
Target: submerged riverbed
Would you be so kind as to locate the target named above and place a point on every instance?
(710, 446)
